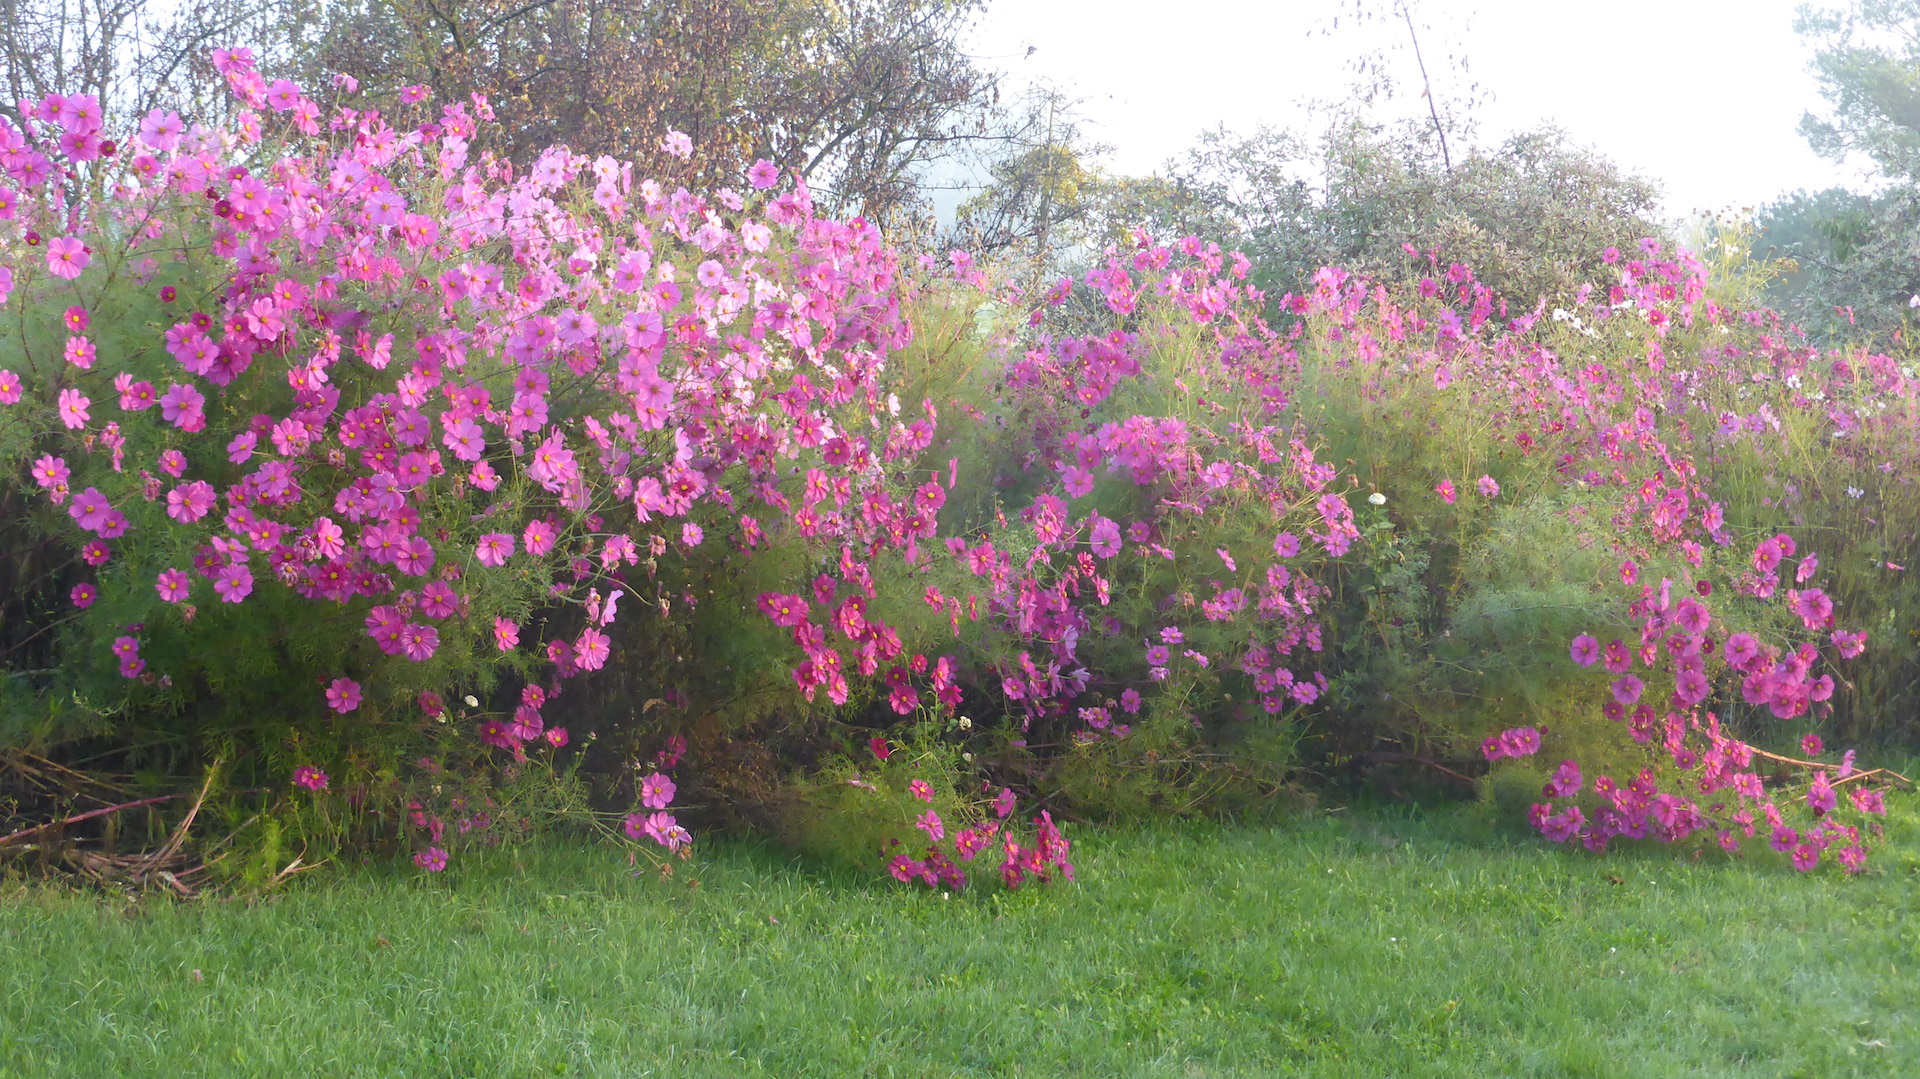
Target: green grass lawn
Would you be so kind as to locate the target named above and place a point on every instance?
(1366, 945)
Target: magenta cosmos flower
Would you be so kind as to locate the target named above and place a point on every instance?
(1585, 650)
(343, 695)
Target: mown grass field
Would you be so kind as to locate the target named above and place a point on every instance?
(1350, 944)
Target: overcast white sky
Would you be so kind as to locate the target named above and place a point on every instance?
(1701, 95)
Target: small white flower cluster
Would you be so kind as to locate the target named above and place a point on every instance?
(1561, 314)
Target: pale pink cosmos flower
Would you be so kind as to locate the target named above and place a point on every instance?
(73, 408)
(494, 549)
(1489, 487)
(161, 130)
(656, 791)
(66, 257)
(763, 174)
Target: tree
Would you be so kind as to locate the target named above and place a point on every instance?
(1531, 216)
(1867, 61)
(1855, 258)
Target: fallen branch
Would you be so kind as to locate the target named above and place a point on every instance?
(88, 815)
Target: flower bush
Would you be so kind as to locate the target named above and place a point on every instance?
(339, 457)
(345, 425)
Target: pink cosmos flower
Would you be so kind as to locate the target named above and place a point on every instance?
(1741, 650)
(50, 471)
(763, 174)
(83, 595)
(782, 608)
(161, 130)
(494, 549)
(921, 789)
(678, 144)
(433, 859)
(1566, 781)
(656, 791)
(343, 695)
(590, 652)
(538, 537)
(73, 408)
(1627, 689)
(1585, 650)
(1513, 742)
(691, 534)
(90, 509)
(1849, 644)
(310, 777)
(233, 582)
(1445, 490)
(880, 748)
(419, 642)
(1286, 545)
(930, 823)
(1813, 606)
(1003, 803)
(664, 830)
(10, 387)
(1691, 686)
(172, 584)
(189, 502)
(636, 825)
(506, 635)
(66, 257)
(1489, 487)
